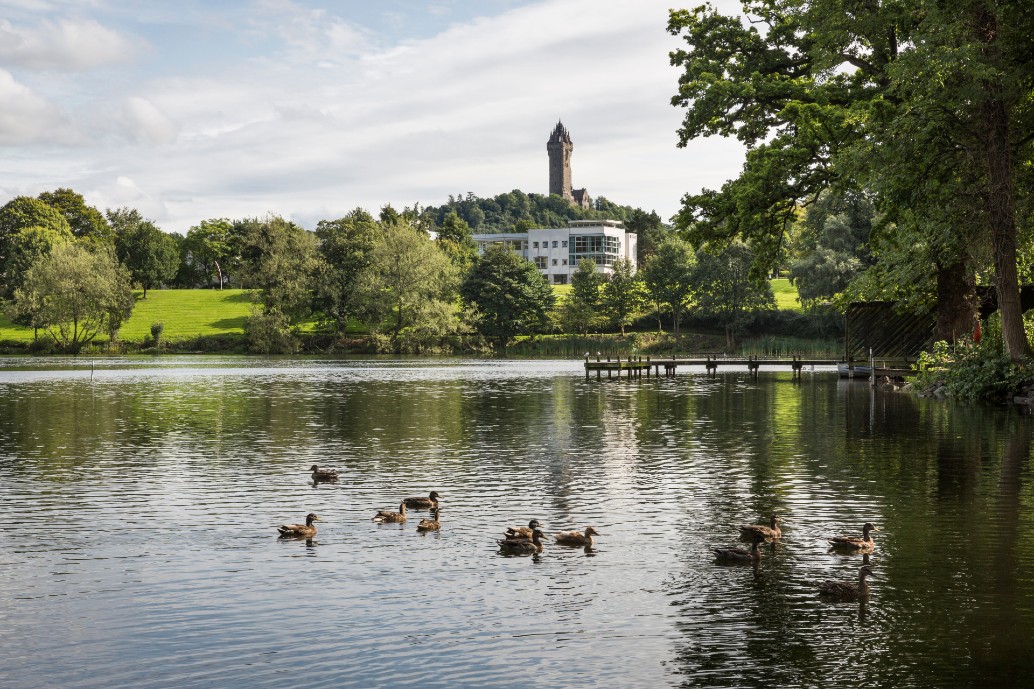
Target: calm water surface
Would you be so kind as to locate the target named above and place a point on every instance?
(139, 500)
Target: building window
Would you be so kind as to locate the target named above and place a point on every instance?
(534, 245)
(540, 262)
(554, 261)
(554, 243)
(560, 279)
(564, 262)
(564, 243)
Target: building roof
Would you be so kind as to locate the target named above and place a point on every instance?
(559, 134)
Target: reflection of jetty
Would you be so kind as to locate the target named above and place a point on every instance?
(636, 367)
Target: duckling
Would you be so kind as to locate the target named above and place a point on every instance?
(306, 530)
(427, 503)
(384, 517)
(577, 538)
(327, 475)
(853, 544)
(739, 555)
(523, 531)
(848, 590)
(769, 532)
(522, 546)
(431, 524)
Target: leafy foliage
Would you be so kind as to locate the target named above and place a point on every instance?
(506, 296)
(74, 293)
(624, 294)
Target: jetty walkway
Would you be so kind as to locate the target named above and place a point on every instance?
(636, 367)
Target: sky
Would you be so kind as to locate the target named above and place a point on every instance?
(190, 110)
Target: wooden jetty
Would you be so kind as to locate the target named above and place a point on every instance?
(636, 367)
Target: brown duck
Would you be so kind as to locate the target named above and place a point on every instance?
(323, 475)
(522, 546)
(430, 502)
(523, 531)
(769, 532)
(848, 590)
(854, 544)
(384, 517)
(433, 524)
(577, 538)
(306, 530)
(739, 555)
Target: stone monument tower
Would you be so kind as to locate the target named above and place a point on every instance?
(559, 148)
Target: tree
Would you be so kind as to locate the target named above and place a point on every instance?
(507, 296)
(151, 256)
(279, 258)
(74, 293)
(409, 283)
(668, 275)
(649, 229)
(457, 241)
(86, 222)
(345, 249)
(580, 311)
(725, 286)
(29, 245)
(17, 214)
(623, 294)
(822, 97)
(832, 246)
(208, 250)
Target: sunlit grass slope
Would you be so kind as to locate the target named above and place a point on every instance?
(184, 313)
(785, 295)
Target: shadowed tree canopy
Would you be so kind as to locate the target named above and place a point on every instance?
(926, 104)
(20, 213)
(151, 256)
(506, 296)
(85, 221)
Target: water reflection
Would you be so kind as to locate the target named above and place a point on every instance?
(155, 492)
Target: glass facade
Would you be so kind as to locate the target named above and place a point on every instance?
(601, 248)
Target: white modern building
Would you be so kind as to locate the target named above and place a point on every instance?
(556, 252)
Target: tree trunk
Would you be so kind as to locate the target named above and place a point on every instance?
(1000, 199)
(956, 302)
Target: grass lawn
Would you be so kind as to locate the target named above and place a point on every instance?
(785, 295)
(184, 312)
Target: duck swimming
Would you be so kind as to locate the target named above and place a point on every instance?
(522, 546)
(523, 531)
(306, 530)
(325, 475)
(739, 555)
(577, 538)
(848, 590)
(854, 544)
(431, 524)
(431, 501)
(769, 532)
(384, 517)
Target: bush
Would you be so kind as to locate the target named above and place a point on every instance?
(268, 332)
(157, 328)
(973, 371)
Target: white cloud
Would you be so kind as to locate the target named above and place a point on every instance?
(25, 116)
(332, 117)
(146, 123)
(66, 44)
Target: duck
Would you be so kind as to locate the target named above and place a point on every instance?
(769, 532)
(854, 544)
(306, 530)
(522, 546)
(385, 517)
(739, 555)
(577, 538)
(323, 474)
(848, 590)
(427, 503)
(523, 531)
(431, 524)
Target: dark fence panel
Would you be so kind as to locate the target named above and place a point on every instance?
(889, 334)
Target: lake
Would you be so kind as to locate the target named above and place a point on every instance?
(139, 500)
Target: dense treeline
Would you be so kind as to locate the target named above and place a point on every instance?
(410, 280)
(911, 121)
